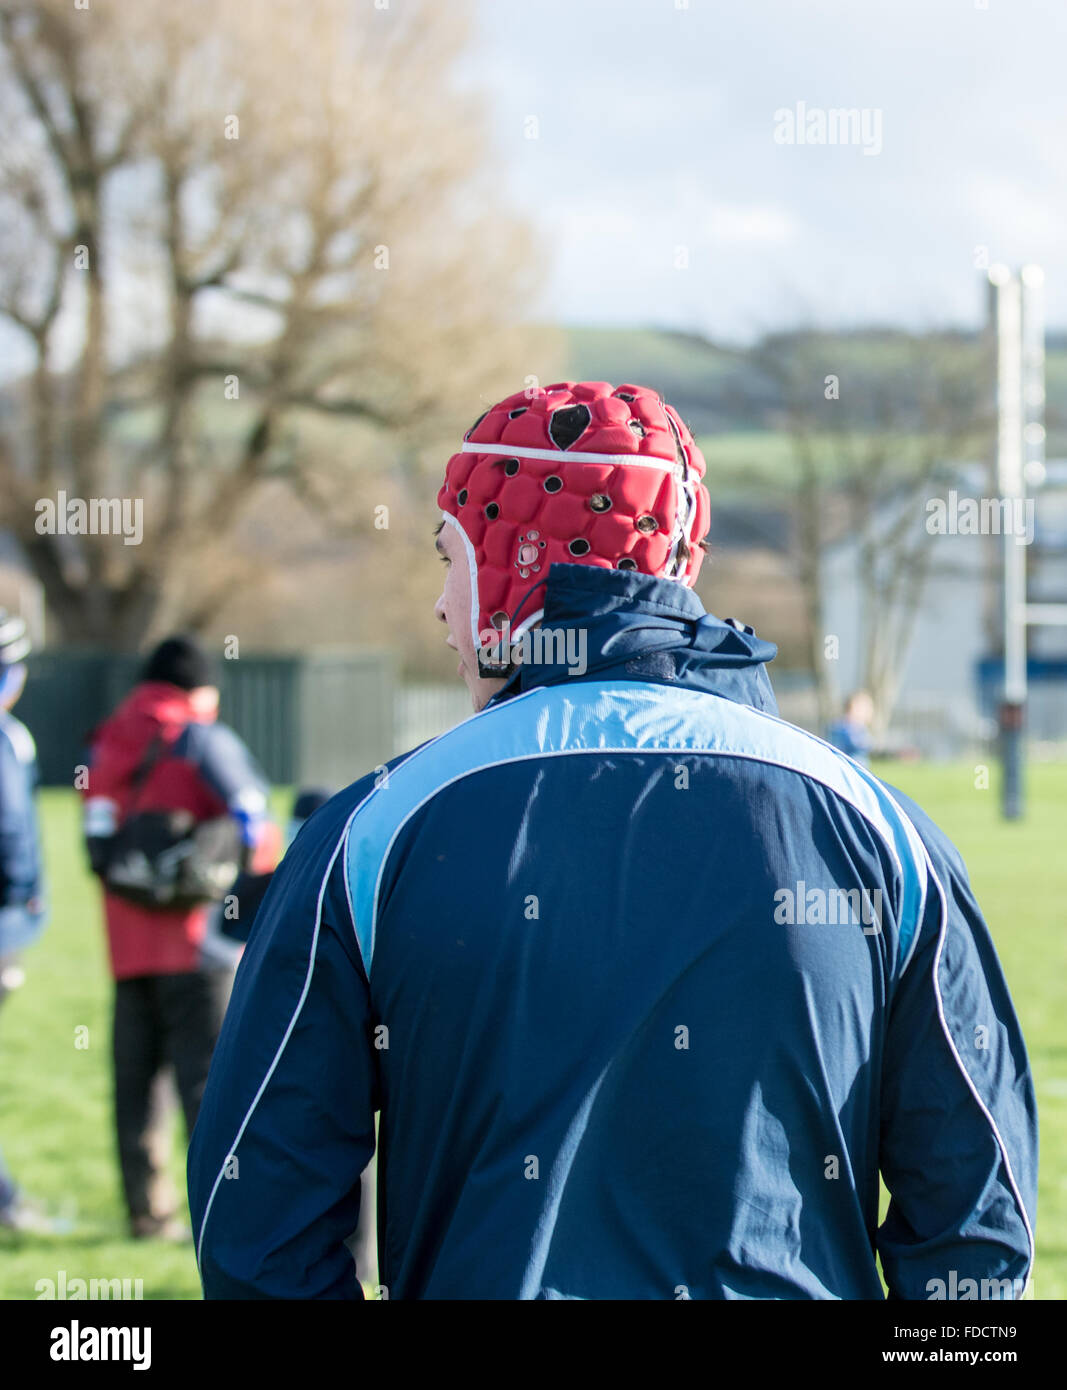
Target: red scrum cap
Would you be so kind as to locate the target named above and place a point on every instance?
(578, 473)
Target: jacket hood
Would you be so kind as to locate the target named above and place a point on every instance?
(616, 625)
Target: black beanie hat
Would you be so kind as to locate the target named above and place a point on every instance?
(179, 661)
(308, 800)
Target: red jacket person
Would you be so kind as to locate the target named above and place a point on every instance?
(164, 750)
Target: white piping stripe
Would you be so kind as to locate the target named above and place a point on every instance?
(573, 456)
(348, 886)
(881, 790)
(966, 1075)
(886, 841)
(729, 753)
(281, 1047)
(577, 752)
(883, 812)
(416, 752)
(921, 913)
(910, 846)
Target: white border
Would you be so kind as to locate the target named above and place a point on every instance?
(573, 456)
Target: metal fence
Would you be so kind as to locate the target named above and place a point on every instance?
(323, 718)
(424, 711)
(926, 726)
(328, 718)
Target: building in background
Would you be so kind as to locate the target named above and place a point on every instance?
(949, 676)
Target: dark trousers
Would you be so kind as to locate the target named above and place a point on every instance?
(160, 1021)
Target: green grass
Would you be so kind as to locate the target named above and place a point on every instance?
(55, 1116)
(55, 1098)
(747, 465)
(1018, 871)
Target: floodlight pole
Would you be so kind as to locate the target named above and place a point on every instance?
(1018, 311)
(1009, 336)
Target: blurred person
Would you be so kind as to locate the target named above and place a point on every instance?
(576, 952)
(852, 732)
(163, 756)
(22, 905)
(227, 935)
(305, 803)
(229, 927)
(230, 922)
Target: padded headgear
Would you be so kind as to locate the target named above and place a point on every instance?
(578, 473)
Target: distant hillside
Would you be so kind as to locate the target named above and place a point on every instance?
(715, 387)
(719, 393)
(705, 384)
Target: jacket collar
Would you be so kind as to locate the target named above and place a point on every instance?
(607, 624)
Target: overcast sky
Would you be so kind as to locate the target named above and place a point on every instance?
(670, 189)
(656, 129)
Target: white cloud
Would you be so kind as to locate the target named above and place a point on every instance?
(657, 130)
(752, 223)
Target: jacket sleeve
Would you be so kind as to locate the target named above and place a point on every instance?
(233, 775)
(959, 1121)
(19, 872)
(286, 1125)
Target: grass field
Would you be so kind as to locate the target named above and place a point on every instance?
(55, 1125)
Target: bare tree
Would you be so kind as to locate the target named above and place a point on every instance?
(780, 359)
(873, 426)
(222, 222)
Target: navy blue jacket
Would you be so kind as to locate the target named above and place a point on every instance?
(20, 844)
(647, 986)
